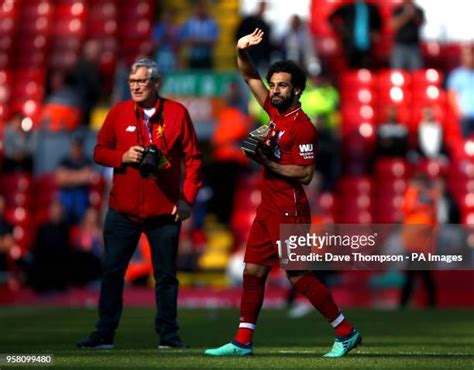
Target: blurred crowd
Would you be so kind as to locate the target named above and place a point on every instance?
(66, 243)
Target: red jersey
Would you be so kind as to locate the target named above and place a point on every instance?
(141, 197)
(293, 142)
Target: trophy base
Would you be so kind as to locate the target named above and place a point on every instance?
(250, 145)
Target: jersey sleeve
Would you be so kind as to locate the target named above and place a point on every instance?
(305, 142)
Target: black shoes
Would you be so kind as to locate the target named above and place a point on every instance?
(172, 343)
(97, 340)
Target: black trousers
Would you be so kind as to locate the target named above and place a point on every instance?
(121, 236)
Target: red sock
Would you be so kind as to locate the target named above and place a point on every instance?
(322, 300)
(253, 291)
(344, 328)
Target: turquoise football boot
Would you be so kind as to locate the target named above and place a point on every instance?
(230, 349)
(343, 345)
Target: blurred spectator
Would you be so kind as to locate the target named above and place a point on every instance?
(358, 24)
(461, 89)
(430, 136)
(298, 45)
(229, 163)
(49, 264)
(419, 233)
(19, 144)
(87, 250)
(86, 77)
(447, 209)
(392, 136)
(261, 53)
(6, 241)
(121, 90)
(407, 20)
(321, 102)
(87, 236)
(199, 34)
(63, 107)
(74, 175)
(166, 42)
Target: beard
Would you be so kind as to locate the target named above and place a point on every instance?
(281, 102)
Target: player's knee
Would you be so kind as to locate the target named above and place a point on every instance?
(256, 270)
(294, 276)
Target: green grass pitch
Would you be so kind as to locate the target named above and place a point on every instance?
(431, 339)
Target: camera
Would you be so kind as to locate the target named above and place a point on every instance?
(152, 161)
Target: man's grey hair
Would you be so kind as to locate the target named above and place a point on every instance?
(147, 63)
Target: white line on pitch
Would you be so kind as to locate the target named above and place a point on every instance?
(394, 353)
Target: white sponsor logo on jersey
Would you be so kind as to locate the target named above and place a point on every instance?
(306, 151)
(130, 128)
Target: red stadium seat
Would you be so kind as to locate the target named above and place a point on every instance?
(9, 8)
(359, 94)
(355, 216)
(392, 77)
(17, 183)
(33, 9)
(30, 58)
(5, 112)
(388, 210)
(390, 187)
(71, 10)
(358, 78)
(432, 168)
(6, 43)
(391, 168)
(28, 107)
(102, 28)
(23, 236)
(6, 60)
(37, 75)
(40, 26)
(104, 9)
(74, 27)
(395, 95)
(31, 42)
(355, 185)
(325, 204)
(355, 114)
(29, 90)
(136, 28)
(7, 26)
(18, 216)
(426, 77)
(5, 93)
(328, 46)
(137, 9)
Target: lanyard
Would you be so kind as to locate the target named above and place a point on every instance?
(148, 124)
(148, 127)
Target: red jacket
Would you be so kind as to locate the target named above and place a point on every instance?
(132, 194)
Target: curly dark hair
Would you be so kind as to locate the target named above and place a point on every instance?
(298, 76)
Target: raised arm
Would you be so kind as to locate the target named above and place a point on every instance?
(408, 13)
(247, 69)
